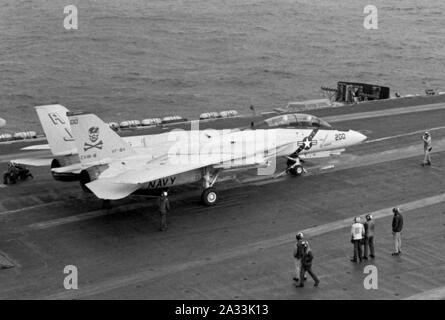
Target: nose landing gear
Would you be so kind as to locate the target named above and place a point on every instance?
(295, 167)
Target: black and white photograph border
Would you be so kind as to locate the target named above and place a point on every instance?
(214, 150)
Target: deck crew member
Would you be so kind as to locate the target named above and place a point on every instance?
(298, 254)
(397, 226)
(427, 148)
(306, 265)
(355, 95)
(357, 234)
(369, 237)
(164, 207)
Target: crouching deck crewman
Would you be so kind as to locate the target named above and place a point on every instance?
(16, 172)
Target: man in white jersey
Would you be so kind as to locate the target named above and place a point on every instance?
(357, 235)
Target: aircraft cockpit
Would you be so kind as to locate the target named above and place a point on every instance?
(294, 120)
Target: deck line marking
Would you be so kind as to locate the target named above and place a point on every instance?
(147, 275)
(382, 113)
(434, 294)
(402, 135)
(37, 206)
(102, 212)
(86, 216)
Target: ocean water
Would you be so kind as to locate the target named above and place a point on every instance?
(137, 59)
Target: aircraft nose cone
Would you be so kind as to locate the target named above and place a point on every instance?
(357, 137)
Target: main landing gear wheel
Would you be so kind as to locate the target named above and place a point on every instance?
(294, 167)
(297, 170)
(209, 196)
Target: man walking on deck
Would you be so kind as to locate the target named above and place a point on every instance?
(298, 254)
(427, 149)
(306, 265)
(397, 226)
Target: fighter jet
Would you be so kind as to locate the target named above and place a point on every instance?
(64, 158)
(112, 168)
(2, 122)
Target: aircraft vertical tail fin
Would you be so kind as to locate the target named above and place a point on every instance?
(57, 129)
(96, 142)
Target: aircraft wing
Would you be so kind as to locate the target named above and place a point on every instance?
(118, 181)
(34, 158)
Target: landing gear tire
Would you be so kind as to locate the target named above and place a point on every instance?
(209, 196)
(293, 169)
(297, 170)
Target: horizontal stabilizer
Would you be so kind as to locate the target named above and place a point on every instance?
(109, 190)
(73, 168)
(37, 147)
(35, 162)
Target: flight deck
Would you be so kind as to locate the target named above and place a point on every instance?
(241, 248)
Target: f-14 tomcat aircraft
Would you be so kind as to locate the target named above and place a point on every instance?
(65, 164)
(112, 169)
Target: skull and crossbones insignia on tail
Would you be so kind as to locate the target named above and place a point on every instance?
(93, 133)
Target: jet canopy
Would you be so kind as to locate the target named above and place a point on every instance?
(295, 120)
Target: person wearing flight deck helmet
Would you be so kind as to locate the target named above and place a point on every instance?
(298, 254)
(369, 237)
(164, 208)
